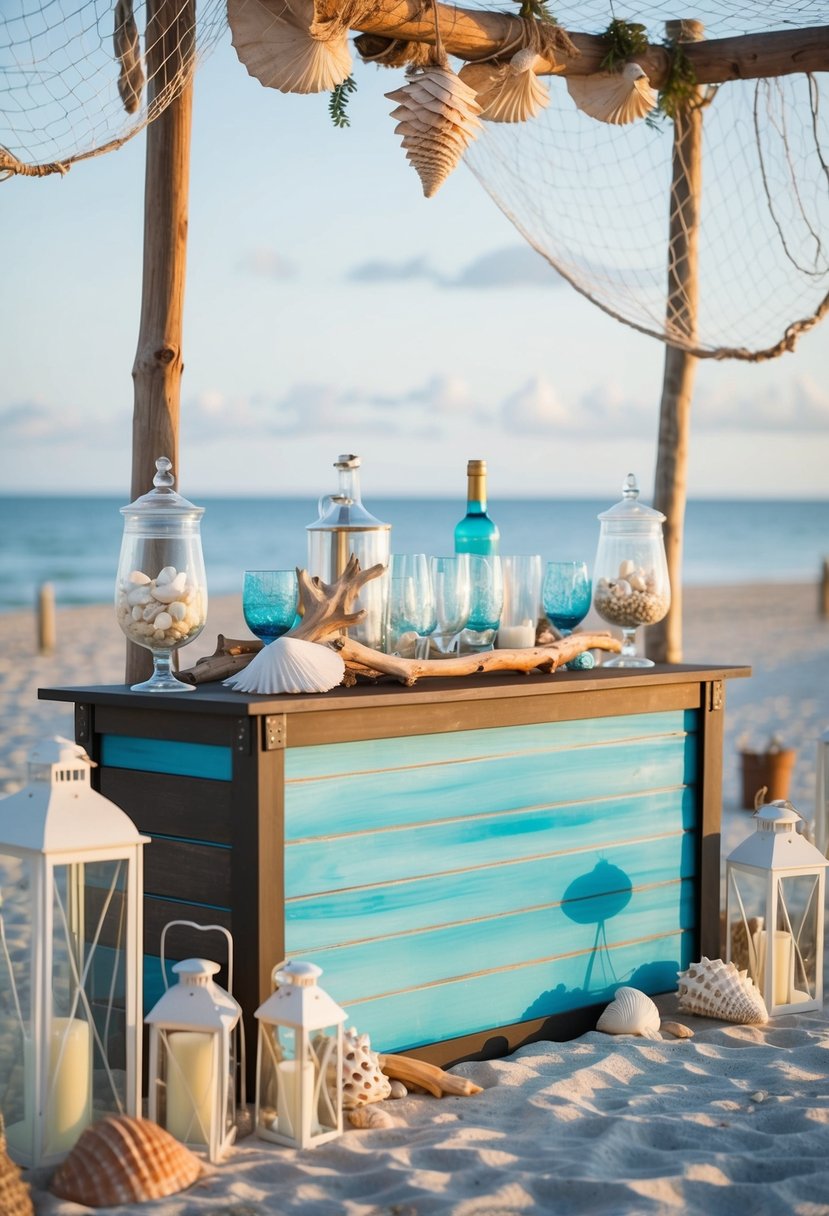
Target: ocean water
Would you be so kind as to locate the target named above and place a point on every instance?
(74, 542)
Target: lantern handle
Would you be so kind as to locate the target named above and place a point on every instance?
(191, 924)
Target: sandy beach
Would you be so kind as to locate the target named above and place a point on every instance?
(733, 1120)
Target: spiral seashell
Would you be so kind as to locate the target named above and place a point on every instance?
(282, 47)
(124, 1160)
(290, 665)
(615, 97)
(507, 92)
(371, 1117)
(438, 119)
(363, 1079)
(714, 989)
(630, 1012)
(15, 1197)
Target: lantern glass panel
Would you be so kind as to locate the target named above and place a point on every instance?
(328, 1100)
(17, 920)
(186, 1084)
(796, 935)
(747, 910)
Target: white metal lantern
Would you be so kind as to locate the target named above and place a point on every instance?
(70, 956)
(298, 1060)
(193, 1054)
(774, 911)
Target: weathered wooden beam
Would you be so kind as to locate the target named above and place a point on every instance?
(469, 34)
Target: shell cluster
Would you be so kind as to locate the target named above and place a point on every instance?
(290, 665)
(438, 117)
(714, 989)
(630, 1012)
(614, 97)
(161, 612)
(363, 1079)
(634, 598)
(124, 1160)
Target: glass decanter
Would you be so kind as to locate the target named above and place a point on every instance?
(161, 588)
(631, 585)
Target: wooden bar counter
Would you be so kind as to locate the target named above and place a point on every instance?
(474, 863)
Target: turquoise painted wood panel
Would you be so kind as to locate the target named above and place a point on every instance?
(334, 759)
(326, 865)
(167, 756)
(444, 1011)
(335, 918)
(584, 928)
(404, 796)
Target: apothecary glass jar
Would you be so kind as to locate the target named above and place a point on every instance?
(161, 587)
(630, 575)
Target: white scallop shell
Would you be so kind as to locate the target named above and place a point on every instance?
(290, 665)
(714, 989)
(280, 45)
(363, 1079)
(508, 92)
(630, 1012)
(617, 97)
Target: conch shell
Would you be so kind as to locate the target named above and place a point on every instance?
(508, 92)
(438, 118)
(363, 1079)
(616, 97)
(290, 665)
(15, 1198)
(124, 1160)
(630, 1012)
(282, 46)
(715, 989)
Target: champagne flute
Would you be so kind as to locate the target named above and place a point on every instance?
(451, 584)
(270, 599)
(565, 595)
(410, 617)
(487, 601)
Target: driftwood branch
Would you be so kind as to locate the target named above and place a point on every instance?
(474, 35)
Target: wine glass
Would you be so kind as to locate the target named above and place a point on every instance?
(451, 585)
(565, 595)
(487, 601)
(270, 599)
(410, 615)
(522, 599)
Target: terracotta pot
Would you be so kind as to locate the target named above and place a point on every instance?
(770, 769)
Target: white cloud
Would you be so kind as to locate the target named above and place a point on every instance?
(379, 271)
(515, 266)
(269, 264)
(801, 405)
(534, 407)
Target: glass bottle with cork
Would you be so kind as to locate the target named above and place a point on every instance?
(476, 532)
(478, 535)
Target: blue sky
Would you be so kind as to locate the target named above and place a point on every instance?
(330, 307)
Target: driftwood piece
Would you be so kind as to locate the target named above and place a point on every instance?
(328, 609)
(420, 1075)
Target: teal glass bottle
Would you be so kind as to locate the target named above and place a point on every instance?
(476, 532)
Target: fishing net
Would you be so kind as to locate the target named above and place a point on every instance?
(80, 77)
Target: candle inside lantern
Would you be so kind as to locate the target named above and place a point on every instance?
(69, 1092)
(516, 637)
(295, 1096)
(782, 965)
(190, 1086)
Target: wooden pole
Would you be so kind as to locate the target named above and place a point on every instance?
(170, 41)
(664, 640)
(823, 591)
(46, 632)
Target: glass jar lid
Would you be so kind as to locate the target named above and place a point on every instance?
(163, 499)
(630, 509)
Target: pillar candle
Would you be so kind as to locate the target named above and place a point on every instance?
(69, 1088)
(190, 1085)
(516, 637)
(782, 965)
(295, 1097)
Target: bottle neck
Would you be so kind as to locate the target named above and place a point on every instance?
(349, 488)
(476, 493)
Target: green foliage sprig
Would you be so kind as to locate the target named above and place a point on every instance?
(538, 10)
(626, 38)
(680, 88)
(338, 102)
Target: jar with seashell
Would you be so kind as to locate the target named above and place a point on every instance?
(630, 576)
(161, 587)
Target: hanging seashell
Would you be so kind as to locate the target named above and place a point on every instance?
(124, 1160)
(508, 92)
(282, 47)
(617, 97)
(363, 1079)
(15, 1197)
(290, 665)
(438, 119)
(714, 989)
(630, 1012)
(371, 1117)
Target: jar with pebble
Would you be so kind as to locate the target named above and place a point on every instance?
(161, 587)
(630, 577)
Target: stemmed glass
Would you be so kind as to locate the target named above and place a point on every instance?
(410, 615)
(451, 586)
(565, 595)
(270, 599)
(487, 601)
